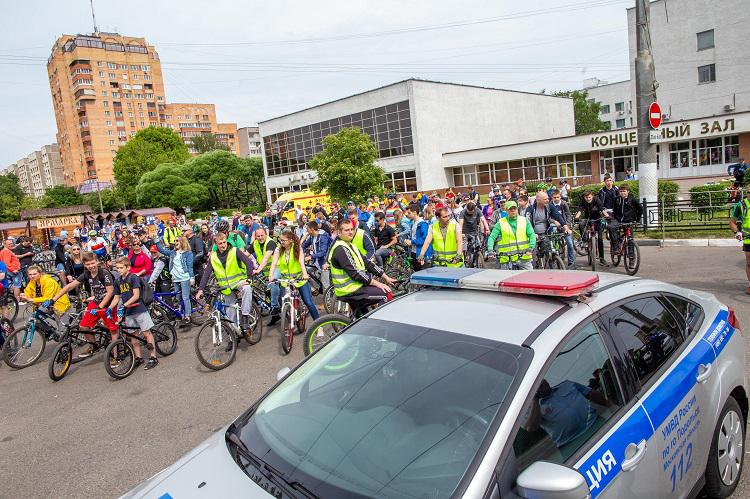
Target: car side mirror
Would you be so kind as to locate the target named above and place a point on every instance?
(543, 480)
(282, 373)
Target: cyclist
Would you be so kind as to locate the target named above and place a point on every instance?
(140, 262)
(181, 269)
(419, 230)
(385, 238)
(317, 245)
(233, 270)
(13, 265)
(290, 261)
(25, 253)
(627, 210)
(545, 218)
(97, 245)
(160, 278)
(99, 283)
(445, 240)
(593, 210)
(608, 194)
(472, 225)
(233, 238)
(352, 274)
(362, 239)
(515, 239)
(738, 171)
(262, 249)
(128, 291)
(564, 208)
(171, 233)
(4, 283)
(42, 289)
(60, 255)
(740, 225)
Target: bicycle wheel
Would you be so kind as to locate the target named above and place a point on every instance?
(216, 351)
(632, 257)
(200, 313)
(614, 255)
(579, 245)
(253, 326)
(11, 306)
(165, 338)
(479, 259)
(287, 329)
(6, 328)
(554, 262)
(322, 330)
(119, 359)
(160, 314)
(60, 362)
(23, 347)
(591, 252)
(329, 300)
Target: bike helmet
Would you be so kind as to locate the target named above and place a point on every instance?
(93, 233)
(223, 226)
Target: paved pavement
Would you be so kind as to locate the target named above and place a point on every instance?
(90, 436)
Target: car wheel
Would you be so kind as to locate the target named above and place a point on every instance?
(727, 453)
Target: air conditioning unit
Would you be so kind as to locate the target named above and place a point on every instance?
(729, 107)
(620, 113)
(665, 117)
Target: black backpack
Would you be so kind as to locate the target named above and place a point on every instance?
(147, 294)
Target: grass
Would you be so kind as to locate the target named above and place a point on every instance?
(686, 234)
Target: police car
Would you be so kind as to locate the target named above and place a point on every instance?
(495, 384)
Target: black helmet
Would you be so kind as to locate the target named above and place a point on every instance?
(223, 226)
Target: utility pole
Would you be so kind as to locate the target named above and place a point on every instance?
(96, 29)
(645, 94)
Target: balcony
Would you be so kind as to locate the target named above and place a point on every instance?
(85, 94)
(88, 155)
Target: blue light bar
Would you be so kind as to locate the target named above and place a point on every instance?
(444, 277)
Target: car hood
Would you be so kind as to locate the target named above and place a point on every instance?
(208, 471)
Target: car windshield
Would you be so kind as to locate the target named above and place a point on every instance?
(385, 410)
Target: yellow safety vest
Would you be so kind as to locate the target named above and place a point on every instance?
(359, 241)
(228, 276)
(171, 234)
(512, 246)
(289, 267)
(446, 249)
(745, 221)
(344, 285)
(260, 252)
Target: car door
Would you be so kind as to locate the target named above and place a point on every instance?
(674, 378)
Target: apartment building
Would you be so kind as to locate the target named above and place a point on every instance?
(38, 171)
(250, 142)
(105, 88)
(189, 120)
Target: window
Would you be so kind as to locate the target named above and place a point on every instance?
(620, 123)
(647, 331)
(112, 76)
(100, 63)
(104, 93)
(605, 109)
(707, 73)
(108, 123)
(133, 67)
(619, 106)
(105, 103)
(705, 39)
(690, 313)
(106, 113)
(111, 65)
(124, 76)
(110, 133)
(130, 114)
(135, 76)
(101, 74)
(578, 395)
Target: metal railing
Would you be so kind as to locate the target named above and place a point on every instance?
(705, 210)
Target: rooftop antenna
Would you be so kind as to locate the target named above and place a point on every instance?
(93, 15)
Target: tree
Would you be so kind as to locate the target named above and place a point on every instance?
(149, 147)
(206, 142)
(169, 185)
(11, 198)
(586, 112)
(111, 200)
(222, 173)
(346, 167)
(59, 196)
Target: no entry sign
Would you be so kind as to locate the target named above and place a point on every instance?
(654, 115)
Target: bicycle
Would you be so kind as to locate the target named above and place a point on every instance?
(119, 357)
(74, 337)
(10, 303)
(292, 315)
(473, 255)
(163, 308)
(23, 347)
(216, 342)
(627, 251)
(315, 281)
(546, 255)
(262, 295)
(592, 235)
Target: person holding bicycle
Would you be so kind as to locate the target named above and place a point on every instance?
(352, 274)
(472, 226)
(317, 245)
(181, 269)
(564, 208)
(627, 210)
(513, 239)
(42, 290)
(592, 210)
(445, 240)
(290, 260)
(262, 249)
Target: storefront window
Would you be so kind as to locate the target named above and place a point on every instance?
(483, 174)
(500, 175)
(515, 170)
(566, 165)
(530, 171)
(709, 151)
(583, 166)
(679, 155)
(731, 149)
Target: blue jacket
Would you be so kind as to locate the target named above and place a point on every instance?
(187, 258)
(320, 248)
(423, 228)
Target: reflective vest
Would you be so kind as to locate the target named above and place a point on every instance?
(359, 241)
(512, 246)
(228, 276)
(260, 252)
(344, 285)
(171, 234)
(446, 249)
(290, 267)
(745, 221)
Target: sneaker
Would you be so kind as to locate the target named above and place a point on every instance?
(603, 263)
(571, 266)
(137, 362)
(113, 362)
(87, 352)
(152, 362)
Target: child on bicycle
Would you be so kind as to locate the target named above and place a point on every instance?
(42, 289)
(128, 290)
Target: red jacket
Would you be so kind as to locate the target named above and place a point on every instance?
(140, 262)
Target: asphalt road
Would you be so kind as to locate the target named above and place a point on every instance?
(90, 436)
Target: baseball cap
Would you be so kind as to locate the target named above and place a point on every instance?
(511, 204)
(63, 234)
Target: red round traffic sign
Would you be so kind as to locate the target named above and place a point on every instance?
(654, 115)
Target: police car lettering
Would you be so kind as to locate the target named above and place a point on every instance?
(600, 470)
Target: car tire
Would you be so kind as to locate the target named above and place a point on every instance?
(729, 438)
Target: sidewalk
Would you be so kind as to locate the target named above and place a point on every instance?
(690, 242)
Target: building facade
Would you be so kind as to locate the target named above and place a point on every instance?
(105, 88)
(412, 123)
(38, 171)
(617, 102)
(250, 142)
(190, 120)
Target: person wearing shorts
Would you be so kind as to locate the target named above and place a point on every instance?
(128, 292)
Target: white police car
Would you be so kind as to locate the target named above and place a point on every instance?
(560, 385)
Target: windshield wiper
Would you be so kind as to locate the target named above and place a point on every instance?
(269, 472)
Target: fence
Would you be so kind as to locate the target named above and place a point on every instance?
(697, 210)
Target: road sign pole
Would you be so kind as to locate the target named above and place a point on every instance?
(645, 90)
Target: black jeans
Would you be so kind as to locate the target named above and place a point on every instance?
(365, 297)
(599, 229)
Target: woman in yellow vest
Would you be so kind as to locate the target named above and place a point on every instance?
(290, 261)
(445, 238)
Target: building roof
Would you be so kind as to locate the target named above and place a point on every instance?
(16, 225)
(81, 209)
(146, 212)
(406, 81)
(607, 84)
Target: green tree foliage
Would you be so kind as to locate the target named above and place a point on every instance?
(586, 113)
(111, 200)
(59, 196)
(346, 167)
(149, 147)
(206, 142)
(11, 198)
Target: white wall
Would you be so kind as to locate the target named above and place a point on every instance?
(449, 118)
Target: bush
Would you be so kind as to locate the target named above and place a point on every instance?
(709, 195)
(667, 189)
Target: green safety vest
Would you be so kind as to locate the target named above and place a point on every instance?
(512, 246)
(445, 249)
(359, 241)
(228, 276)
(290, 267)
(745, 221)
(344, 285)
(260, 252)
(171, 234)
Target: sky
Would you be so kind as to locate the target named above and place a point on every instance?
(257, 59)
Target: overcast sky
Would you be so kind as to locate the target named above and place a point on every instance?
(258, 59)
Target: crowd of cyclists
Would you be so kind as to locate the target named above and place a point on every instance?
(359, 253)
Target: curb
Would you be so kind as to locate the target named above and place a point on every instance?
(696, 243)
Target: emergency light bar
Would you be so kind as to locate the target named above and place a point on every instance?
(561, 283)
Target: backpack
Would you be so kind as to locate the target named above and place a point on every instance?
(147, 294)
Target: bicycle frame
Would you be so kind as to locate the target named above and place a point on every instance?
(179, 312)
